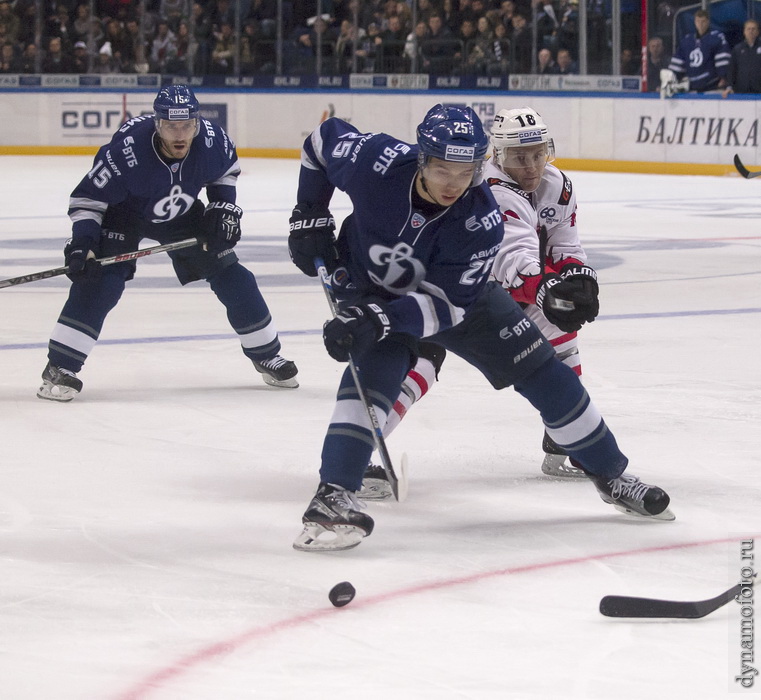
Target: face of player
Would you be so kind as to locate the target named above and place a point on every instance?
(176, 136)
(525, 165)
(444, 182)
(702, 24)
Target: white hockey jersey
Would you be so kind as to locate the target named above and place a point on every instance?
(553, 205)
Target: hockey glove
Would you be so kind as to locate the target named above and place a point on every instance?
(569, 300)
(312, 236)
(355, 330)
(221, 225)
(79, 257)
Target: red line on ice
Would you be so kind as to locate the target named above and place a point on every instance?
(187, 663)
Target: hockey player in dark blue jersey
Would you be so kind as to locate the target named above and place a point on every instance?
(703, 56)
(412, 262)
(145, 183)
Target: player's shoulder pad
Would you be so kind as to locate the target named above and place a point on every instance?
(499, 182)
(215, 139)
(131, 143)
(560, 182)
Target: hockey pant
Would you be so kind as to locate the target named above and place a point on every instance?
(423, 375)
(89, 302)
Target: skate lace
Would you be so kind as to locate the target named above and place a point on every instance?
(629, 487)
(67, 372)
(274, 362)
(347, 499)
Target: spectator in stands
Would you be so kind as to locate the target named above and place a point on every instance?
(221, 11)
(173, 11)
(567, 35)
(120, 45)
(11, 21)
(59, 24)
(545, 64)
(413, 47)
(81, 60)
(247, 48)
(28, 25)
(546, 22)
(745, 66)
(55, 60)
(439, 47)
(629, 64)
(163, 47)
(5, 37)
(29, 59)
(105, 62)
(368, 49)
(137, 49)
(390, 44)
(566, 64)
(9, 62)
(316, 37)
(481, 58)
(265, 14)
(80, 28)
(521, 43)
(222, 56)
(202, 33)
(703, 56)
(348, 38)
(657, 60)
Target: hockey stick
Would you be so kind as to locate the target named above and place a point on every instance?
(398, 482)
(747, 174)
(559, 304)
(124, 257)
(627, 606)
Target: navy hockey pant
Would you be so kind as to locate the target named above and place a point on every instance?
(90, 301)
(498, 339)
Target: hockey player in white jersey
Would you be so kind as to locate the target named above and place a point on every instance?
(533, 195)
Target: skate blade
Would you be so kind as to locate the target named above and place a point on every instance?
(317, 538)
(555, 465)
(291, 383)
(375, 490)
(666, 515)
(52, 392)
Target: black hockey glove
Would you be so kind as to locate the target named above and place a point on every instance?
(221, 225)
(312, 236)
(79, 256)
(569, 300)
(354, 330)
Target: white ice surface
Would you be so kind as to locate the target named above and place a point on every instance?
(146, 528)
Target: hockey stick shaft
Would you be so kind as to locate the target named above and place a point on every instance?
(628, 606)
(124, 257)
(747, 174)
(397, 486)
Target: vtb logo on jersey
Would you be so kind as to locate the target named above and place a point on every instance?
(175, 204)
(402, 273)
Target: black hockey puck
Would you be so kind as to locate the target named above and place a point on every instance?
(342, 594)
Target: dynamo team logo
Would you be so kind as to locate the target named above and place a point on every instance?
(172, 206)
(402, 272)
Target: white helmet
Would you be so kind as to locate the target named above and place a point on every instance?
(516, 128)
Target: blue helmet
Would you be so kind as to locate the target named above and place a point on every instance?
(176, 103)
(453, 134)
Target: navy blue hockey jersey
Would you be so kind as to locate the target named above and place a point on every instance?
(430, 269)
(705, 60)
(129, 173)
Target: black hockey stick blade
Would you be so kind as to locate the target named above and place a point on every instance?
(628, 606)
(747, 174)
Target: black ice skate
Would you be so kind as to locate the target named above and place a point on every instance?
(375, 485)
(277, 371)
(629, 495)
(556, 461)
(59, 384)
(333, 521)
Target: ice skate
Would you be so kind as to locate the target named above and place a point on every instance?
(556, 461)
(375, 485)
(59, 384)
(333, 521)
(629, 495)
(277, 371)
